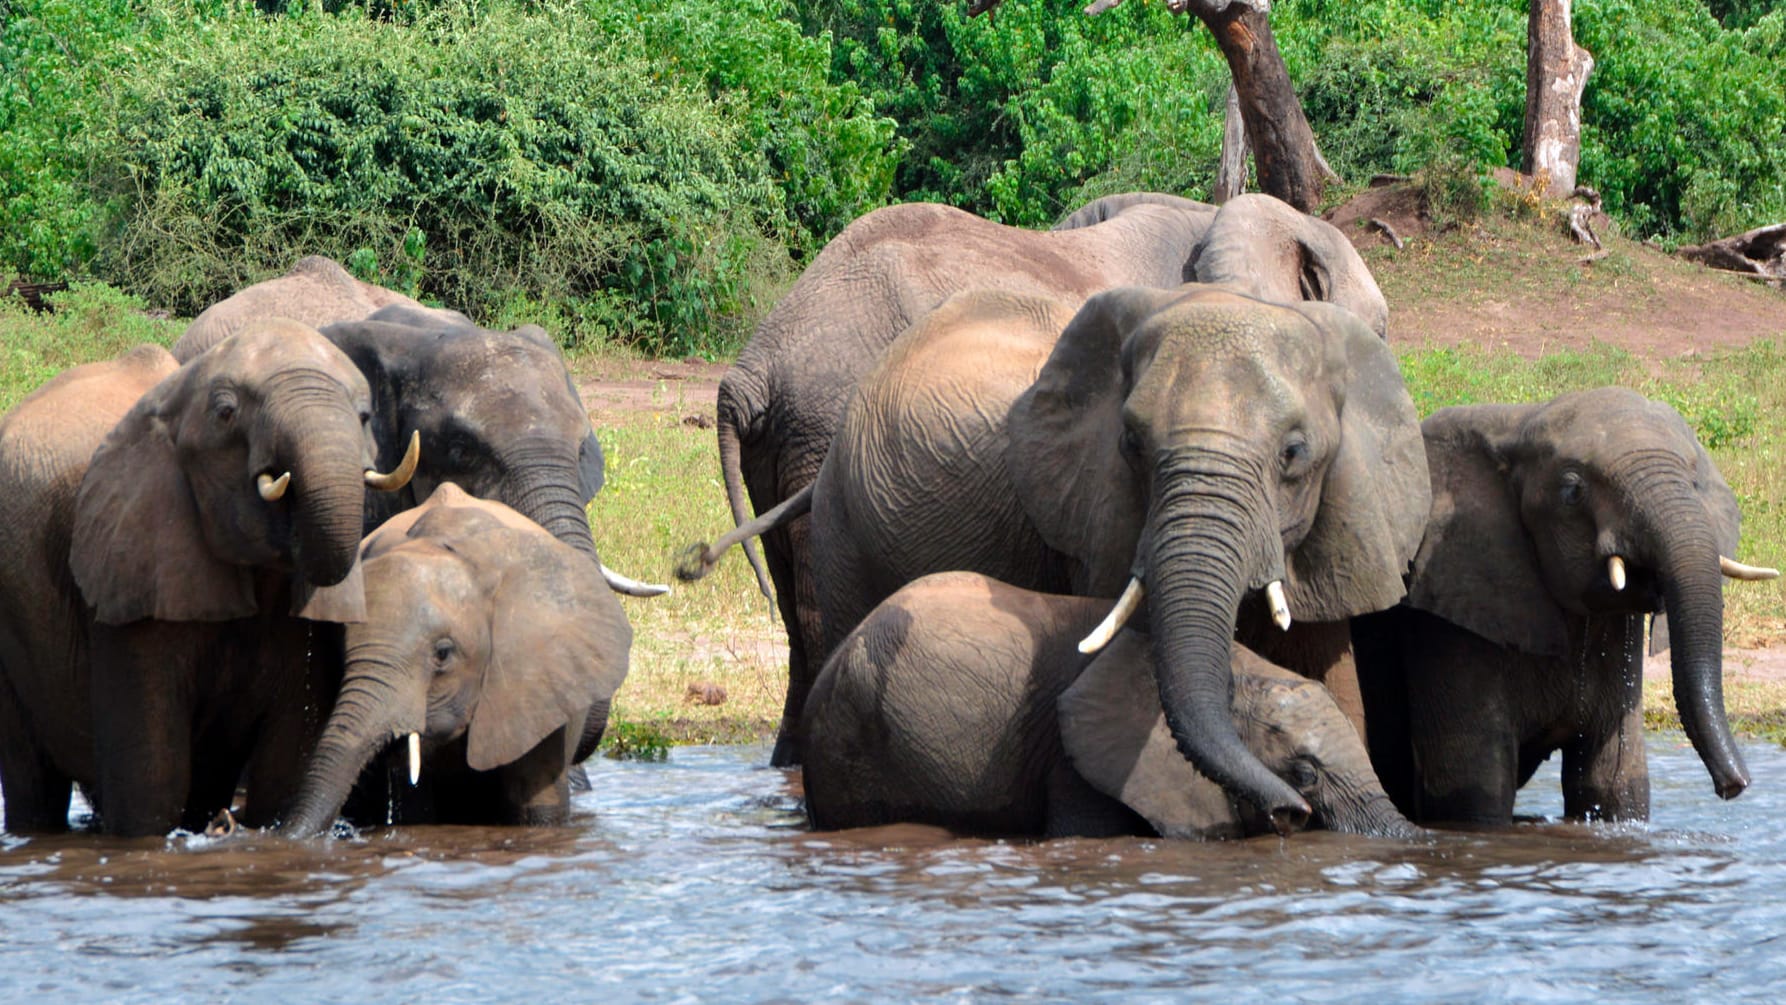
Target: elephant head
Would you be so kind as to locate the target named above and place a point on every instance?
(1269, 249)
(254, 455)
(1598, 502)
(1219, 450)
(1112, 730)
(480, 626)
(497, 409)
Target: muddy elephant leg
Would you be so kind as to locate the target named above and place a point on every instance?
(1465, 750)
(297, 676)
(36, 793)
(142, 728)
(791, 564)
(1606, 774)
(536, 788)
(1381, 676)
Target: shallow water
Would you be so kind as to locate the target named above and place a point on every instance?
(695, 880)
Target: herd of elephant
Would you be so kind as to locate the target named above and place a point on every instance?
(1127, 527)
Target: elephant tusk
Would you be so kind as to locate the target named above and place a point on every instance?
(415, 758)
(1113, 622)
(619, 582)
(1280, 605)
(272, 489)
(1737, 570)
(400, 477)
(1615, 571)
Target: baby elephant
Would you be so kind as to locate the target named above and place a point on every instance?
(488, 645)
(964, 702)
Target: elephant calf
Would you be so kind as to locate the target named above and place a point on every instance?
(1556, 528)
(964, 702)
(489, 650)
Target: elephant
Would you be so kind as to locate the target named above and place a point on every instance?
(964, 702)
(498, 409)
(489, 644)
(212, 538)
(1232, 459)
(315, 292)
(1555, 529)
(782, 400)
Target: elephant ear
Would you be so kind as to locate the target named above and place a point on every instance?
(559, 640)
(1064, 453)
(1114, 733)
(1477, 567)
(1376, 495)
(139, 545)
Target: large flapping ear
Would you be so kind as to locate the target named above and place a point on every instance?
(1477, 567)
(559, 639)
(1376, 495)
(1114, 733)
(1065, 454)
(139, 545)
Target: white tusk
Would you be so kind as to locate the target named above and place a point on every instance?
(1737, 570)
(1280, 605)
(405, 470)
(271, 489)
(622, 583)
(1113, 622)
(1615, 571)
(415, 758)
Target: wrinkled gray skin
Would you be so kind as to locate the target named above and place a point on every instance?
(1202, 440)
(964, 702)
(782, 401)
(316, 292)
(186, 662)
(1513, 644)
(498, 644)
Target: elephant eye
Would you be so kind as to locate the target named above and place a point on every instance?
(223, 407)
(443, 653)
(365, 417)
(1131, 441)
(1295, 456)
(1302, 774)
(1572, 489)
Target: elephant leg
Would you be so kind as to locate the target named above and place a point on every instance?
(536, 788)
(36, 793)
(142, 727)
(1465, 747)
(297, 676)
(1606, 775)
(1075, 809)
(1381, 677)
(791, 567)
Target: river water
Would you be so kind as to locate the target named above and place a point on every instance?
(695, 880)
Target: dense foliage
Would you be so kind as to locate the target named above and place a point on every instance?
(653, 172)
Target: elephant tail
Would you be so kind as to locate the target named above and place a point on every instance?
(698, 559)
(731, 464)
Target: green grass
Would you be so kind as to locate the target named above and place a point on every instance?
(91, 321)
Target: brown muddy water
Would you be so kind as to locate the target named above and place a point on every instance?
(695, 880)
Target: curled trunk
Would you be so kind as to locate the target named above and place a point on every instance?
(327, 488)
(544, 485)
(359, 727)
(1209, 539)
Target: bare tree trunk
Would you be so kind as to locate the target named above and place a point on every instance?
(1283, 144)
(1230, 175)
(1556, 75)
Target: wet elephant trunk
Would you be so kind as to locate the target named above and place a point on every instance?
(1209, 540)
(327, 461)
(366, 717)
(543, 484)
(1693, 598)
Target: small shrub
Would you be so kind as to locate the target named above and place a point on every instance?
(636, 741)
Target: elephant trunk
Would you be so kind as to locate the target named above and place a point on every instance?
(320, 435)
(367, 716)
(1693, 598)
(1208, 542)
(544, 485)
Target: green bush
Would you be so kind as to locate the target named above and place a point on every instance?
(90, 321)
